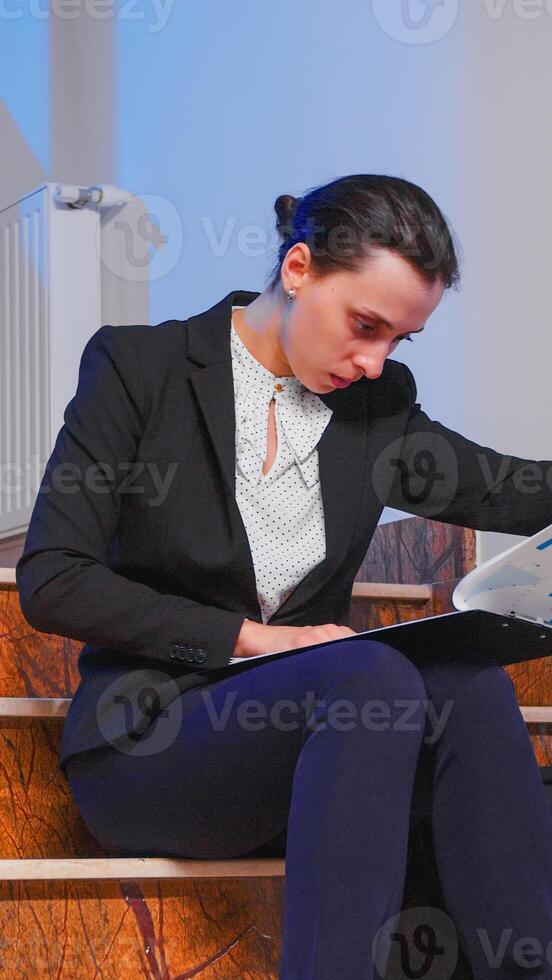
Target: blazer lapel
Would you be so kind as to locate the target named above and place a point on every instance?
(209, 348)
(342, 450)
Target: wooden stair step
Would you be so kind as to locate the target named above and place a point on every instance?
(47, 708)
(102, 868)
(55, 708)
(120, 928)
(391, 591)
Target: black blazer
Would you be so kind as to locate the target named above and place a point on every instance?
(136, 545)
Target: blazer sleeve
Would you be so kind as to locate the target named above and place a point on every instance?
(65, 583)
(440, 474)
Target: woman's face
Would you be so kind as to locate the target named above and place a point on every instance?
(347, 323)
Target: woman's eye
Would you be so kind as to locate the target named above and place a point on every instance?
(369, 326)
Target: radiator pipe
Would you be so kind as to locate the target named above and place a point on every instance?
(100, 195)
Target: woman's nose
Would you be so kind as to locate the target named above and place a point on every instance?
(371, 358)
(371, 365)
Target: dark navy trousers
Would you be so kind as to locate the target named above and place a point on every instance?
(328, 747)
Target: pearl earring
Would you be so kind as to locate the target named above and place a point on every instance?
(290, 295)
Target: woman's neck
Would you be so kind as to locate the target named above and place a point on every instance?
(258, 327)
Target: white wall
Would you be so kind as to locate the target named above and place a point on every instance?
(501, 398)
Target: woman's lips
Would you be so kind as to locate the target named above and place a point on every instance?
(339, 382)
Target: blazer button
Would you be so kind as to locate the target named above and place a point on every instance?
(189, 652)
(178, 651)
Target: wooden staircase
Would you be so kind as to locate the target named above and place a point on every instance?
(70, 910)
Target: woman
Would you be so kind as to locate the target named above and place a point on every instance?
(288, 429)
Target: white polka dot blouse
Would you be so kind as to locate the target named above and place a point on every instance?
(282, 511)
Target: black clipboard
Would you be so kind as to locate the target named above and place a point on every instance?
(467, 636)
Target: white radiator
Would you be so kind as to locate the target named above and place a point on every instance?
(50, 304)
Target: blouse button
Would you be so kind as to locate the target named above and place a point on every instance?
(278, 387)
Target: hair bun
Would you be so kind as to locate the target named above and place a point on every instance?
(285, 207)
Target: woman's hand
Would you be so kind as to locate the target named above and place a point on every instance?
(259, 638)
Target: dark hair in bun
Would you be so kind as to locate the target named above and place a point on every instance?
(285, 207)
(346, 221)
